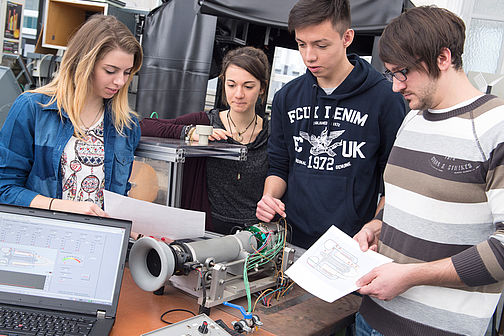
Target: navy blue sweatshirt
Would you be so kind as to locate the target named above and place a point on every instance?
(332, 149)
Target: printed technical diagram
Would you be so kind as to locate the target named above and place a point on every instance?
(334, 262)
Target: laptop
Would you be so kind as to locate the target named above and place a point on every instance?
(64, 267)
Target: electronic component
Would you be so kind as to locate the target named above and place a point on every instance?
(200, 325)
(218, 269)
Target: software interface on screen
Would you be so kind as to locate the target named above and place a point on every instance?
(59, 259)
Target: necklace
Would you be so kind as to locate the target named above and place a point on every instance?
(253, 130)
(238, 176)
(97, 116)
(239, 136)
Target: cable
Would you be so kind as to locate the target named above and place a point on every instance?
(203, 286)
(288, 236)
(287, 289)
(30, 64)
(261, 256)
(283, 254)
(49, 68)
(266, 253)
(40, 66)
(237, 227)
(247, 286)
(172, 311)
(279, 244)
(259, 297)
(226, 328)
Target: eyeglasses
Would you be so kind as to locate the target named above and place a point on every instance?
(400, 75)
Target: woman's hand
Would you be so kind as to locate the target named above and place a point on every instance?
(86, 208)
(217, 134)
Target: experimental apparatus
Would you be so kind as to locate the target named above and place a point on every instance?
(219, 269)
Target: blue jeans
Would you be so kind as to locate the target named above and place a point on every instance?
(362, 328)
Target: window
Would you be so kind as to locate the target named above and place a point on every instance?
(32, 4)
(484, 47)
(287, 65)
(30, 22)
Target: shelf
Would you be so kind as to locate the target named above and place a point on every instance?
(64, 17)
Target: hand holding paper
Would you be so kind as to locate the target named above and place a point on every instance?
(331, 266)
(386, 281)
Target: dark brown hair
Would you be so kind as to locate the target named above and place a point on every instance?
(418, 35)
(312, 12)
(250, 59)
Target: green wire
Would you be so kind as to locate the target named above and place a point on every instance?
(154, 115)
(258, 259)
(247, 286)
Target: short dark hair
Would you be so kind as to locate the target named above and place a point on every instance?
(252, 60)
(311, 12)
(418, 35)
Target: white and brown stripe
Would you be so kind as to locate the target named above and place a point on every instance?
(444, 186)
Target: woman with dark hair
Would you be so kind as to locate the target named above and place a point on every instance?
(233, 187)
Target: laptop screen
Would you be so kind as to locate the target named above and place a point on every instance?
(68, 258)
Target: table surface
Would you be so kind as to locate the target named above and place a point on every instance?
(299, 313)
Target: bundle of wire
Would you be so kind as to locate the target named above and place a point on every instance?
(263, 255)
(268, 294)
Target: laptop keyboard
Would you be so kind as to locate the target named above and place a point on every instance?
(21, 323)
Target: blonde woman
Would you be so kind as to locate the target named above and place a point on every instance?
(64, 143)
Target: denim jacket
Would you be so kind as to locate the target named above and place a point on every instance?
(32, 141)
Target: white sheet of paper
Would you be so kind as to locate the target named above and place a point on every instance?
(155, 220)
(331, 266)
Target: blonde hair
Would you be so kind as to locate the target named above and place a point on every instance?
(98, 36)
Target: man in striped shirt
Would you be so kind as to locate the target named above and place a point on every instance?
(444, 183)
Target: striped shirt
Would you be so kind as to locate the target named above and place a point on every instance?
(444, 185)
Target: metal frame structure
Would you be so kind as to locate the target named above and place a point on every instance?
(225, 280)
(174, 152)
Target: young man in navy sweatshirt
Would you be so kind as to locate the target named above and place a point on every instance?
(331, 130)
